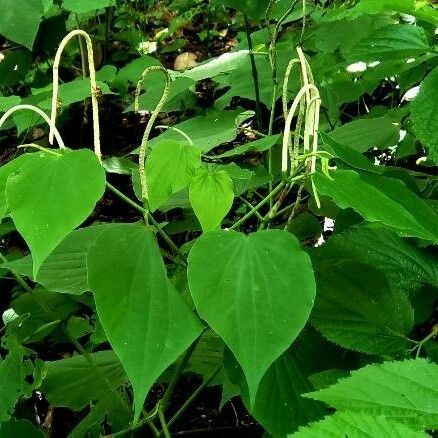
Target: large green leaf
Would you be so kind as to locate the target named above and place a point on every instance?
(356, 308)
(406, 391)
(146, 321)
(397, 40)
(74, 383)
(364, 134)
(381, 199)
(211, 196)
(255, 291)
(169, 168)
(405, 266)
(20, 428)
(81, 6)
(65, 269)
(357, 425)
(51, 195)
(20, 19)
(207, 131)
(425, 115)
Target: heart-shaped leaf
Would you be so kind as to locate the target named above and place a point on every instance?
(256, 291)
(50, 195)
(211, 196)
(146, 321)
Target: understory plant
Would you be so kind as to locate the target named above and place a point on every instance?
(303, 283)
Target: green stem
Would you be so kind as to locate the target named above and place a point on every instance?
(254, 72)
(248, 204)
(17, 277)
(148, 420)
(164, 426)
(256, 208)
(81, 49)
(149, 216)
(164, 402)
(193, 397)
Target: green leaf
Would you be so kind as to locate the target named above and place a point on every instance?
(82, 6)
(211, 196)
(140, 310)
(406, 391)
(397, 40)
(169, 168)
(8, 102)
(357, 425)
(238, 288)
(51, 195)
(208, 131)
(74, 383)
(260, 145)
(405, 266)
(12, 381)
(364, 134)
(5, 171)
(255, 10)
(356, 308)
(20, 19)
(387, 201)
(20, 428)
(424, 114)
(65, 269)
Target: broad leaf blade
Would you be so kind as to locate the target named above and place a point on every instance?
(352, 424)
(256, 307)
(425, 115)
(356, 308)
(405, 391)
(169, 168)
(146, 321)
(51, 195)
(381, 199)
(211, 196)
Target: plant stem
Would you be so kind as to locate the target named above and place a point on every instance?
(149, 216)
(165, 428)
(164, 402)
(81, 49)
(193, 397)
(76, 344)
(256, 208)
(255, 76)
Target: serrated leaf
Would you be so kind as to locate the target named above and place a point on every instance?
(405, 266)
(357, 425)
(12, 381)
(356, 308)
(51, 195)
(397, 40)
(381, 199)
(424, 114)
(74, 383)
(211, 196)
(406, 391)
(139, 308)
(169, 168)
(237, 287)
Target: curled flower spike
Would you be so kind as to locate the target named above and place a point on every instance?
(41, 113)
(93, 87)
(148, 129)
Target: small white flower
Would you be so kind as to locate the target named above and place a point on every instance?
(357, 67)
